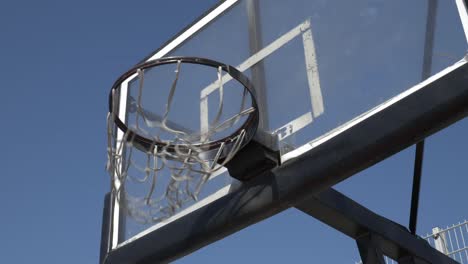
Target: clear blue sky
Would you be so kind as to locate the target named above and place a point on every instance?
(58, 60)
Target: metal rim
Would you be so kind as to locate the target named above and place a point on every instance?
(146, 144)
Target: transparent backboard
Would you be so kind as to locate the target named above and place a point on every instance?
(316, 66)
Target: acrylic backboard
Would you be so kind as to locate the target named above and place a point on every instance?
(316, 66)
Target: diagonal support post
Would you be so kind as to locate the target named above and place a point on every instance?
(374, 234)
(369, 249)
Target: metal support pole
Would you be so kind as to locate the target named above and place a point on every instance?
(369, 249)
(439, 240)
(426, 73)
(106, 228)
(418, 163)
(375, 235)
(411, 260)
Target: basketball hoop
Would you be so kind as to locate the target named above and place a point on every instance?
(187, 157)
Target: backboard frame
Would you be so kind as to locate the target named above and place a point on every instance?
(431, 115)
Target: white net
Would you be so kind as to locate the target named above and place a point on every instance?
(154, 177)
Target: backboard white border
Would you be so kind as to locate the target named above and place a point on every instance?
(193, 29)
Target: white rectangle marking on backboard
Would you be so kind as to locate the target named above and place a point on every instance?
(204, 119)
(260, 55)
(251, 61)
(275, 45)
(193, 29)
(324, 138)
(294, 126)
(217, 173)
(312, 73)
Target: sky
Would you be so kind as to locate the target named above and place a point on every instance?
(58, 62)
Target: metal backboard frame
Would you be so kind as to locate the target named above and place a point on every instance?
(422, 110)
